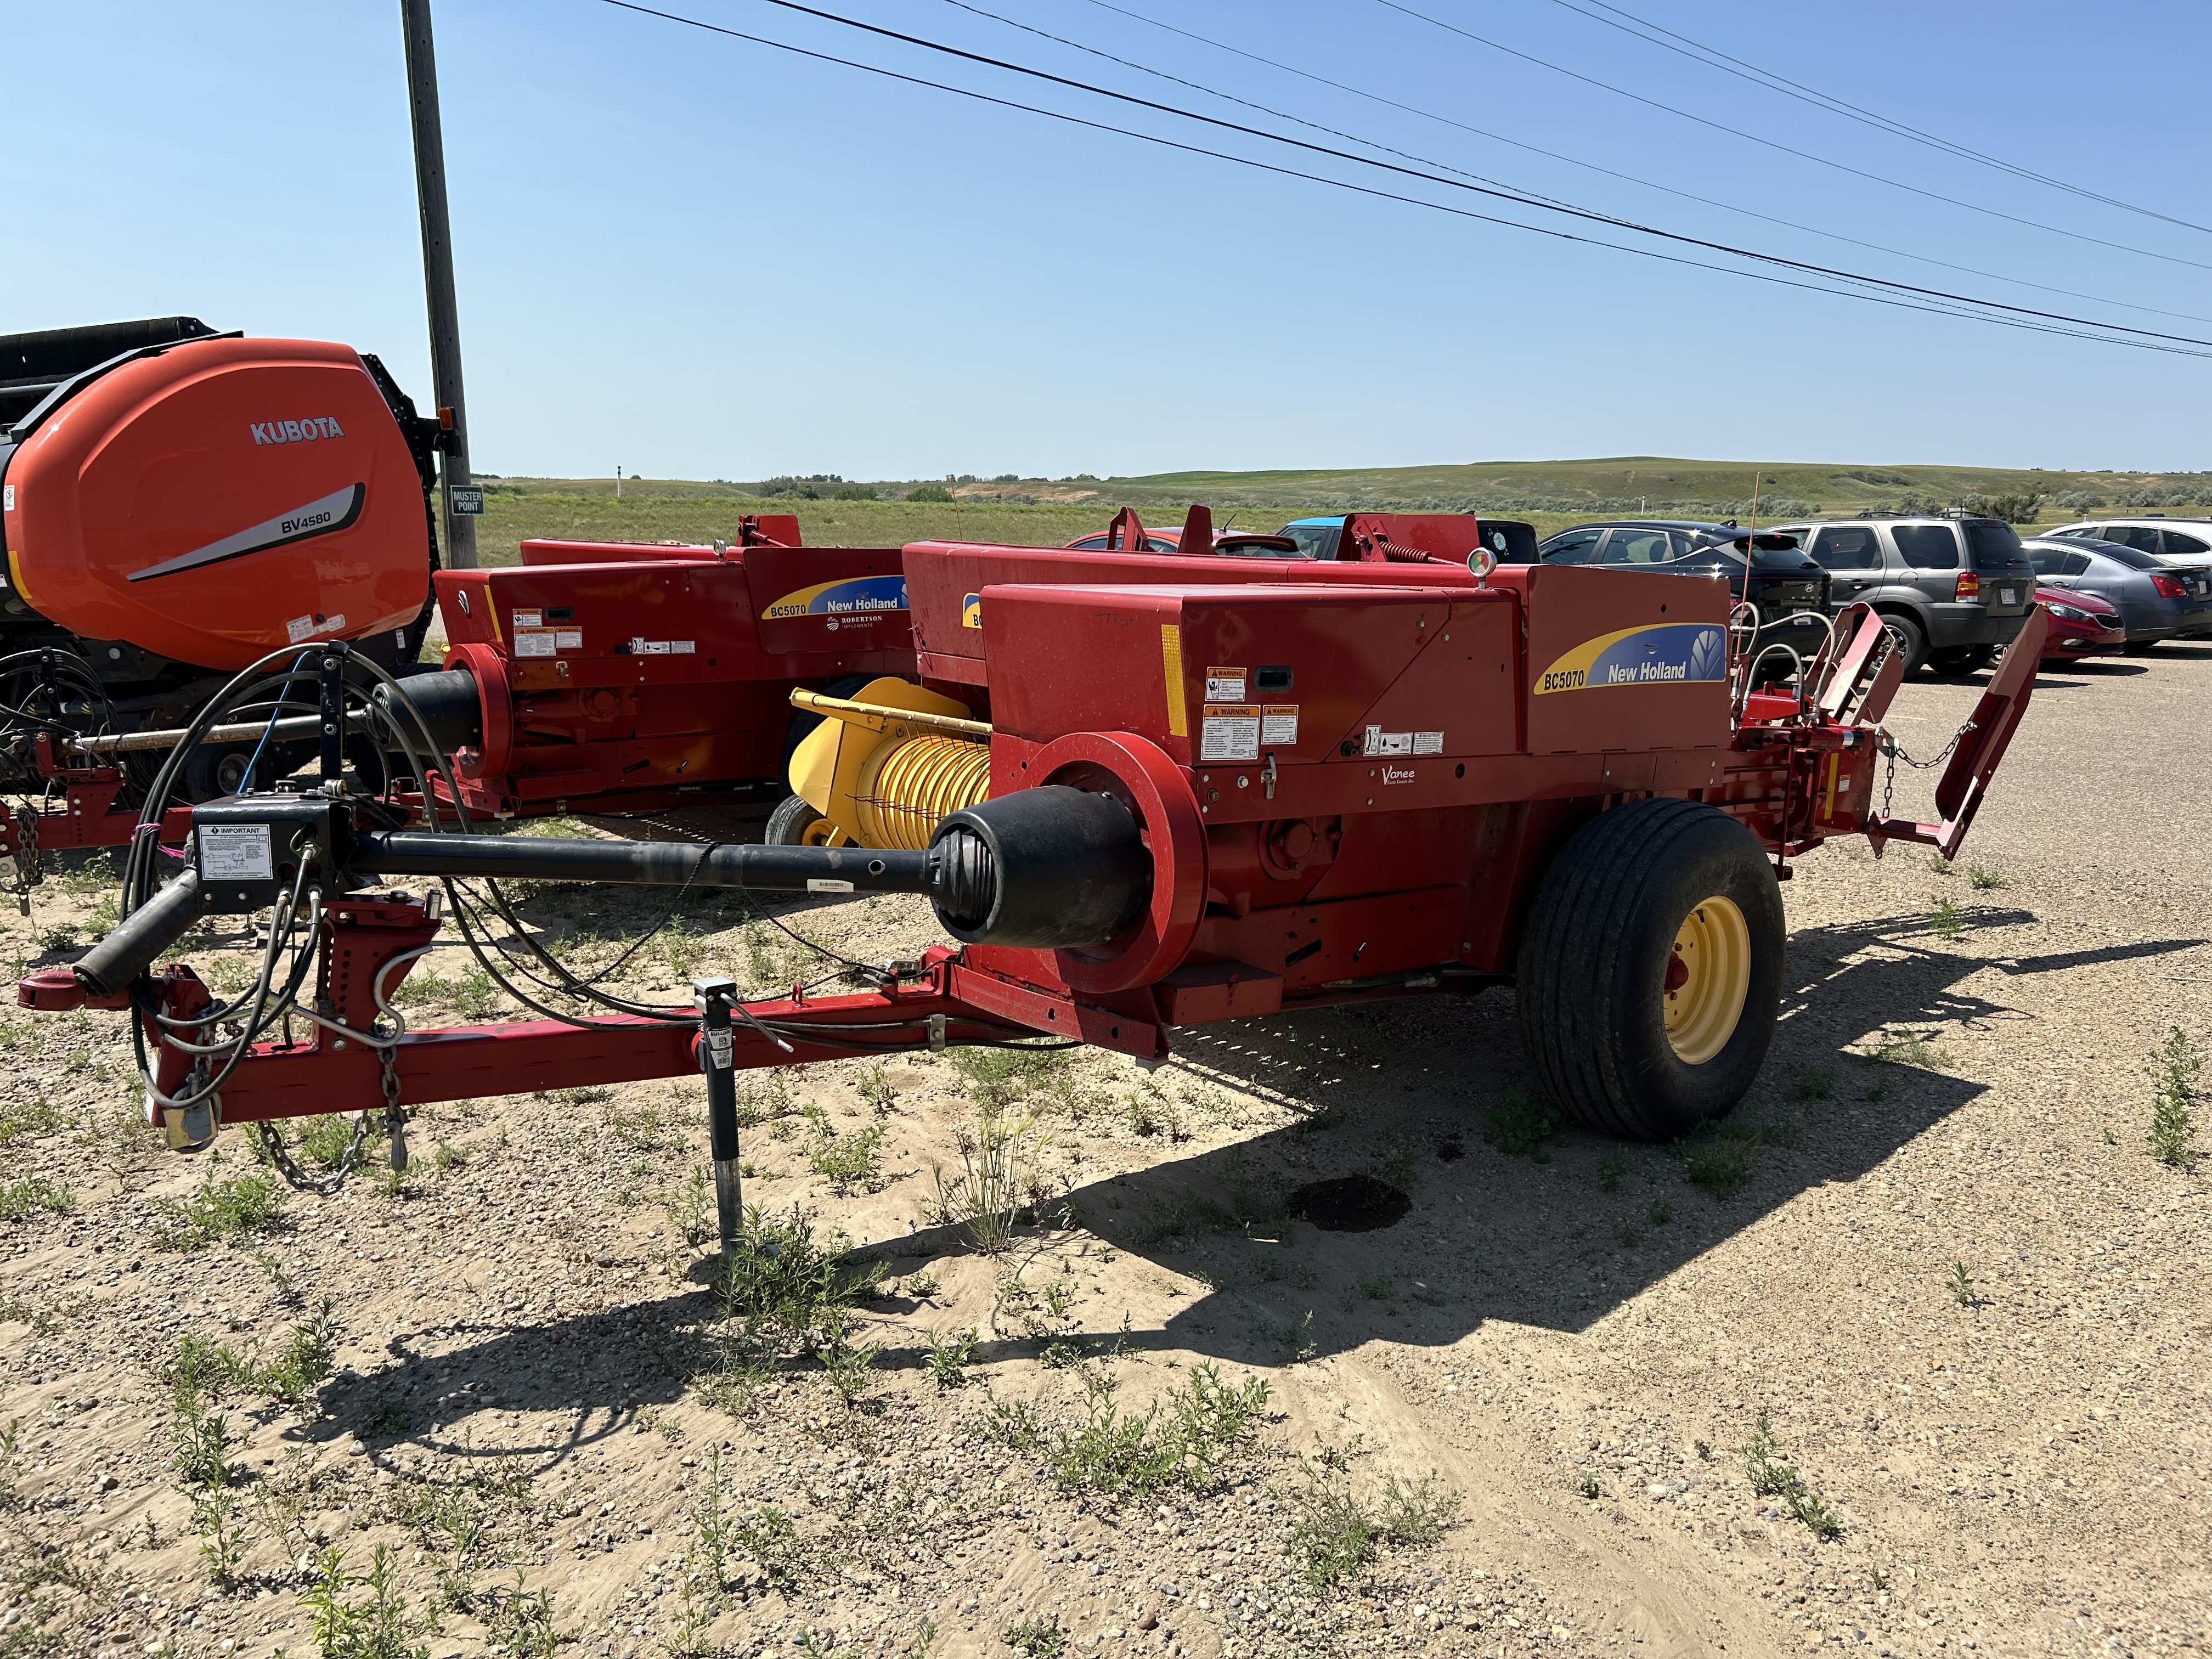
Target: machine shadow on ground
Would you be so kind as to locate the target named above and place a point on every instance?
(1426, 1097)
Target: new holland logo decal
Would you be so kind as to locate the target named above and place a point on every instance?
(1672, 653)
(854, 596)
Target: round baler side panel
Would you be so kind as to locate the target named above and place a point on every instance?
(159, 460)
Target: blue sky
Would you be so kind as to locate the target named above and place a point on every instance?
(699, 258)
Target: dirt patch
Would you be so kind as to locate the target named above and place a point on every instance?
(1349, 1204)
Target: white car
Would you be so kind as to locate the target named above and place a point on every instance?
(2173, 541)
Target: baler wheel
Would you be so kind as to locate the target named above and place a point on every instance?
(797, 823)
(1650, 974)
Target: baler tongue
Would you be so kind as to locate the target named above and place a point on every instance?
(1980, 746)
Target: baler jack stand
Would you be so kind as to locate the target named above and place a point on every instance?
(717, 1044)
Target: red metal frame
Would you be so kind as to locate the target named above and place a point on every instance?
(1421, 745)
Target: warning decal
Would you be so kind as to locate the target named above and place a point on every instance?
(1230, 733)
(1279, 724)
(1224, 685)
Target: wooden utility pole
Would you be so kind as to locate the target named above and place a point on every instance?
(438, 283)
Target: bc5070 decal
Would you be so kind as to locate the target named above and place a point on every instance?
(1668, 653)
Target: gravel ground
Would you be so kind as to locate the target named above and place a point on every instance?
(1524, 1418)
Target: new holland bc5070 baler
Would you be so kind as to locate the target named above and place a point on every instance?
(1141, 791)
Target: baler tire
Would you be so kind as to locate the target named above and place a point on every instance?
(1594, 959)
(792, 825)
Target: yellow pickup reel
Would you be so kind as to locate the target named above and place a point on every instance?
(882, 768)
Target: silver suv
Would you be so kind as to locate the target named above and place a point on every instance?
(1953, 590)
(2178, 541)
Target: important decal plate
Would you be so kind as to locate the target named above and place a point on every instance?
(1669, 653)
(235, 851)
(849, 597)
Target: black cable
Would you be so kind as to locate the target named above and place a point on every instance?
(1713, 57)
(1574, 160)
(2022, 320)
(1786, 150)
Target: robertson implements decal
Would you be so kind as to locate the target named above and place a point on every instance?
(1670, 654)
(850, 597)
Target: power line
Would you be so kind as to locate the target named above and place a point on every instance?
(1534, 150)
(1713, 57)
(1786, 150)
(1542, 205)
(2026, 321)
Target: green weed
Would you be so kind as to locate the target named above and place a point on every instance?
(2173, 1071)
(375, 1625)
(769, 1536)
(1610, 1168)
(220, 1209)
(1721, 1157)
(1945, 922)
(29, 1121)
(1961, 1285)
(875, 1086)
(847, 1161)
(1520, 1126)
(1986, 880)
(784, 1284)
(1772, 1478)
(1037, 1639)
(998, 1160)
(520, 1620)
(306, 1360)
(691, 1209)
(33, 1195)
(846, 1365)
(1186, 1438)
(949, 1358)
(997, 1079)
(475, 996)
(1332, 1536)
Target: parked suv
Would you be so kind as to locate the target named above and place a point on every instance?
(2176, 541)
(1953, 590)
(1789, 592)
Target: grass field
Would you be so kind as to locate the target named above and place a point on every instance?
(1551, 495)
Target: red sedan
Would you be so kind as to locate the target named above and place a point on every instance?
(2081, 625)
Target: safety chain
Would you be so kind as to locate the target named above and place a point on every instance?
(30, 867)
(272, 1144)
(395, 1119)
(1895, 752)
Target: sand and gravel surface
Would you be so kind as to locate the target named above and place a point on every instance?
(1930, 1268)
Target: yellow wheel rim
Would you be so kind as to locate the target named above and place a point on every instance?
(1708, 976)
(821, 833)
